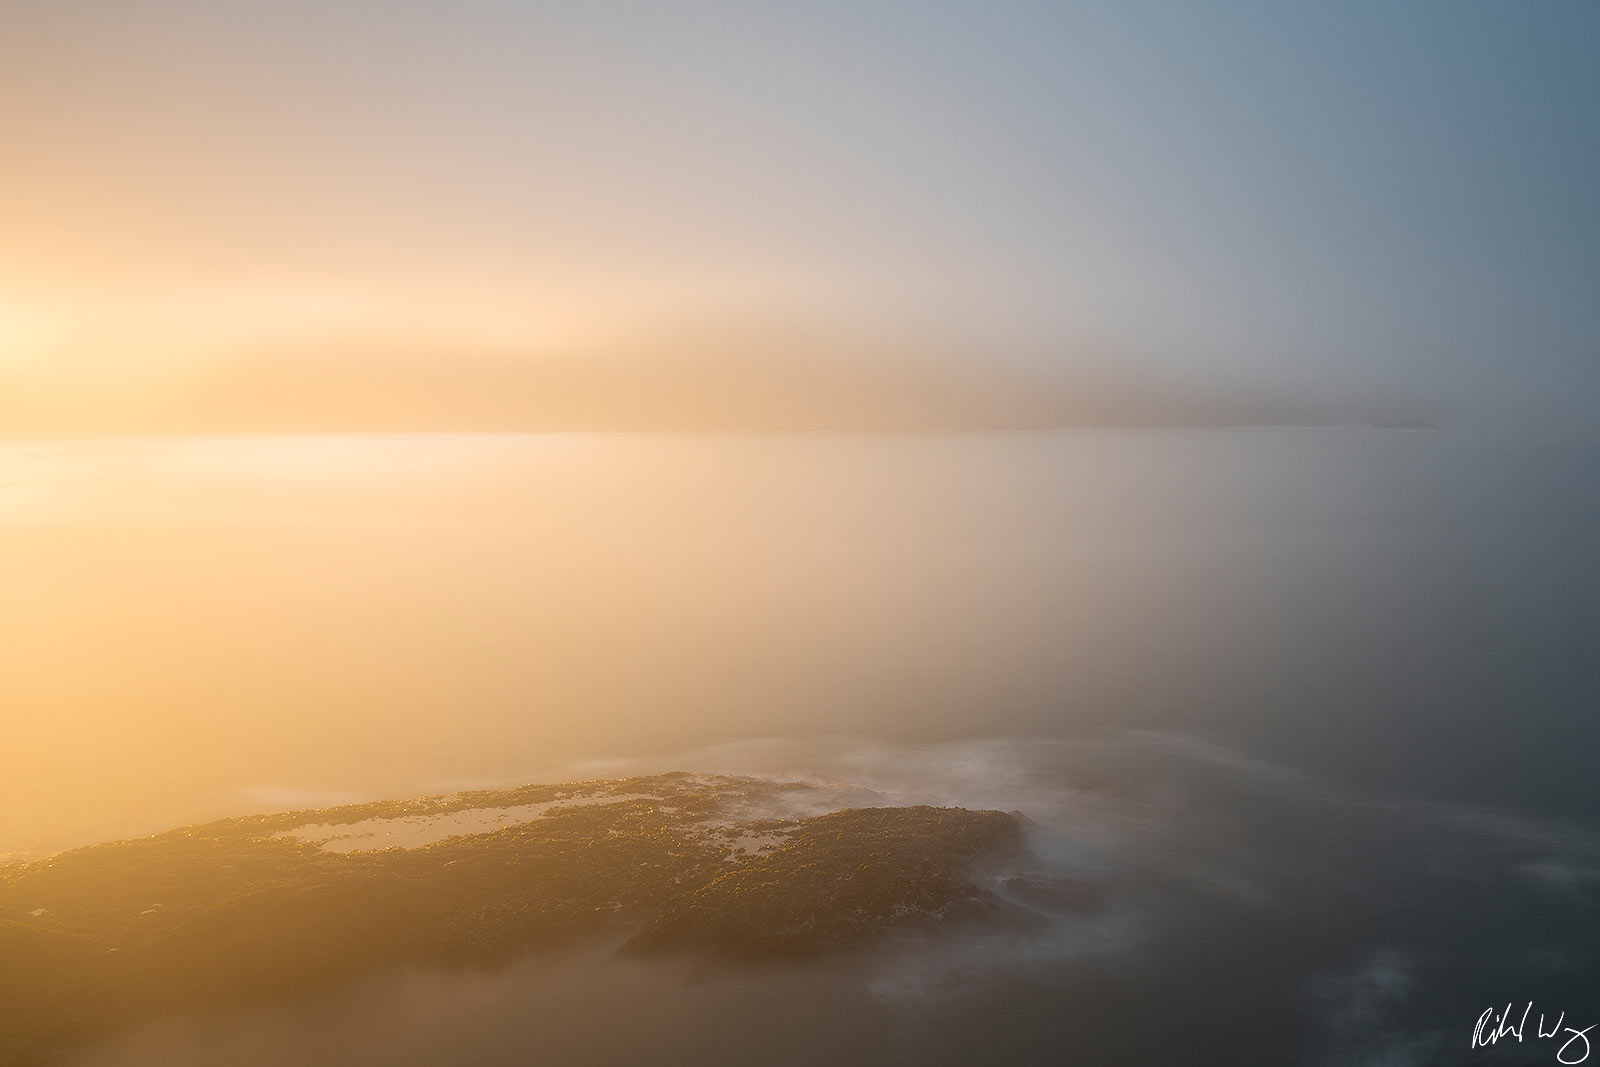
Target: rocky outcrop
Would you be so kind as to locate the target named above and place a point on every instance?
(249, 908)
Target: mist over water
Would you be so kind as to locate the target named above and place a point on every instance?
(196, 627)
(1300, 720)
(416, 419)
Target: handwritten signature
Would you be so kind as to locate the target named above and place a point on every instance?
(1490, 1030)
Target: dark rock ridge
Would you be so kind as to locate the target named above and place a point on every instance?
(265, 906)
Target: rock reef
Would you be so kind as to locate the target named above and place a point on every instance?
(277, 905)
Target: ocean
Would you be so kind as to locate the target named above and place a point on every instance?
(1315, 708)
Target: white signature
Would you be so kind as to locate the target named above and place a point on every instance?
(1490, 1030)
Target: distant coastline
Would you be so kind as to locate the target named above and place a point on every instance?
(380, 391)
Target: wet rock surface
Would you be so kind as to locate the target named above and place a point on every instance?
(266, 906)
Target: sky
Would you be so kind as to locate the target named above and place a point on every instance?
(1370, 207)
